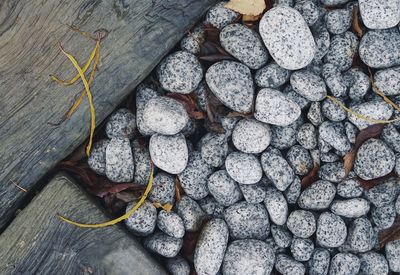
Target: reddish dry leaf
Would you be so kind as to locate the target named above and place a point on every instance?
(178, 189)
(390, 234)
(190, 241)
(215, 57)
(311, 177)
(348, 161)
(356, 22)
(237, 114)
(368, 184)
(190, 105)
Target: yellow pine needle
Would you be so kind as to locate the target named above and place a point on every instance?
(117, 220)
(90, 99)
(84, 68)
(360, 116)
(376, 90)
(91, 78)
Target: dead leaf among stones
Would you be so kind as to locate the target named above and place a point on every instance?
(311, 177)
(247, 7)
(390, 234)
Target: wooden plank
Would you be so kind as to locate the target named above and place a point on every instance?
(141, 32)
(37, 242)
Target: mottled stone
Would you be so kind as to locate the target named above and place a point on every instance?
(219, 16)
(251, 136)
(342, 49)
(97, 157)
(190, 212)
(171, 224)
(142, 160)
(163, 190)
(309, 85)
(142, 97)
(380, 48)
(338, 20)
(301, 223)
(254, 193)
(271, 76)
(301, 249)
(318, 196)
(281, 236)
(344, 263)
(392, 251)
(287, 37)
(374, 159)
(322, 41)
(286, 265)
(194, 39)
(223, 188)
(384, 216)
(194, 178)
(334, 134)
(377, 109)
(243, 168)
(307, 136)
(331, 230)
(121, 124)
(357, 82)
(351, 208)
(163, 244)
(180, 72)
(177, 266)
(332, 111)
(388, 81)
(292, 193)
(308, 10)
(361, 236)
(248, 257)
(214, 149)
(277, 169)
(210, 248)
(377, 14)
(276, 205)
(211, 207)
(169, 153)
(143, 221)
(391, 136)
(300, 160)
(351, 131)
(284, 137)
(247, 220)
(231, 82)
(244, 44)
(384, 193)
(275, 108)
(319, 262)
(349, 188)
(333, 171)
(119, 160)
(315, 114)
(334, 2)
(373, 263)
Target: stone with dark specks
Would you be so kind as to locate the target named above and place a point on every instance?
(309, 85)
(377, 14)
(163, 244)
(119, 160)
(331, 230)
(243, 168)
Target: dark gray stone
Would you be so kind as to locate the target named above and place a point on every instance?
(342, 49)
(384, 193)
(319, 262)
(281, 236)
(142, 160)
(384, 216)
(214, 149)
(315, 114)
(333, 111)
(177, 266)
(300, 160)
(333, 171)
(392, 252)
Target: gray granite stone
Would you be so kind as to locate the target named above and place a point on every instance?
(281, 236)
(309, 85)
(287, 37)
(171, 224)
(351, 208)
(351, 132)
(163, 190)
(287, 265)
(292, 193)
(301, 223)
(284, 137)
(119, 160)
(319, 262)
(177, 266)
(392, 252)
(333, 172)
(342, 49)
(301, 249)
(300, 160)
(333, 111)
(214, 149)
(344, 263)
(97, 158)
(307, 136)
(384, 193)
(271, 76)
(387, 81)
(143, 221)
(251, 136)
(361, 236)
(349, 188)
(211, 207)
(377, 109)
(308, 10)
(377, 14)
(142, 97)
(357, 82)
(373, 263)
(276, 205)
(223, 188)
(163, 244)
(384, 216)
(318, 196)
(219, 16)
(315, 114)
(121, 124)
(338, 20)
(243, 168)
(334, 134)
(254, 193)
(277, 169)
(331, 230)
(191, 213)
(194, 39)
(142, 160)
(322, 41)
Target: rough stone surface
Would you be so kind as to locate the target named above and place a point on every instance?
(388, 81)
(251, 136)
(243, 168)
(191, 213)
(276, 205)
(121, 124)
(142, 160)
(331, 230)
(384, 193)
(351, 208)
(319, 262)
(163, 244)
(271, 76)
(163, 190)
(177, 266)
(334, 134)
(219, 16)
(377, 109)
(281, 236)
(373, 263)
(286, 265)
(318, 196)
(361, 236)
(301, 223)
(223, 188)
(301, 249)
(143, 221)
(338, 21)
(119, 160)
(277, 169)
(344, 263)
(214, 149)
(300, 160)
(342, 49)
(309, 85)
(97, 158)
(171, 224)
(392, 251)
(377, 14)
(384, 216)
(142, 97)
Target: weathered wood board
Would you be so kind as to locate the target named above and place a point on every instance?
(141, 32)
(38, 242)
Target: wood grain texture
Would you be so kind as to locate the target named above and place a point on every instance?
(141, 32)
(37, 242)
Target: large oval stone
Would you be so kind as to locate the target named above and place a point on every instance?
(287, 37)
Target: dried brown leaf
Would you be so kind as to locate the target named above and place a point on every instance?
(390, 234)
(311, 177)
(248, 7)
(190, 105)
(356, 22)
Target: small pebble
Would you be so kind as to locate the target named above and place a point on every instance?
(276, 205)
(392, 251)
(344, 263)
(254, 193)
(163, 190)
(307, 136)
(219, 16)
(247, 220)
(214, 149)
(211, 207)
(191, 213)
(333, 111)
(143, 221)
(142, 160)
(309, 11)
(319, 262)
(342, 49)
(373, 263)
(169, 153)
(286, 265)
(334, 134)
(361, 236)
(142, 97)
(391, 136)
(331, 230)
(119, 160)
(333, 172)
(281, 236)
(243, 168)
(251, 136)
(300, 160)
(97, 158)
(309, 85)
(377, 109)
(223, 188)
(301, 223)
(338, 20)
(301, 249)
(315, 114)
(284, 137)
(377, 14)
(163, 244)
(349, 188)
(192, 41)
(277, 169)
(358, 83)
(271, 76)
(171, 224)
(384, 193)
(351, 208)
(384, 216)
(388, 81)
(177, 266)
(121, 124)
(292, 193)
(318, 196)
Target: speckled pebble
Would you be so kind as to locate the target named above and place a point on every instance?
(308, 10)
(333, 111)
(97, 158)
(277, 169)
(331, 230)
(276, 205)
(309, 85)
(388, 81)
(361, 236)
(121, 124)
(380, 48)
(349, 188)
(177, 266)
(333, 172)
(244, 44)
(377, 109)
(143, 221)
(163, 244)
(271, 76)
(397, 205)
(357, 82)
(191, 213)
(334, 2)
(223, 188)
(163, 190)
(248, 257)
(384, 216)
(210, 248)
(246, 220)
(214, 149)
(300, 159)
(351, 208)
(334, 134)
(275, 108)
(142, 97)
(307, 136)
(373, 263)
(384, 193)
(287, 37)
(351, 131)
(171, 224)
(284, 137)
(219, 16)
(165, 116)
(251, 136)
(254, 193)
(329, 157)
(243, 168)
(366, 165)
(319, 262)
(180, 72)
(169, 153)
(301, 223)
(286, 265)
(391, 136)
(318, 196)
(119, 160)
(338, 20)
(377, 14)
(281, 236)
(194, 178)
(322, 41)
(231, 82)
(392, 251)
(344, 263)
(142, 160)
(192, 41)
(211, 207)
(301, 249)
(315, 114)
(342, 49)
(292, 193)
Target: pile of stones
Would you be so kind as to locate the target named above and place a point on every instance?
(242, 188)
